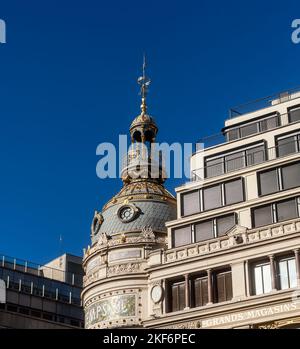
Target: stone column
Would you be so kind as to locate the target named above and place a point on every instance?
(273, 272)
(187, 291)
(297, 262)
(209, 286)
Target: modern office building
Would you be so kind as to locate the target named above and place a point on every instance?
(229, 257)
(41, 296)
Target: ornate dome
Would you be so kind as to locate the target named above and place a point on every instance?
(143, 201)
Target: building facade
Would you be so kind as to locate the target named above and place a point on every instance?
(229, 256)
(41, 297)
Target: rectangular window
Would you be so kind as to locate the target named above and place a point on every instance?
(290, 176)
(182, 236)
(200, 291)
(223, 287)
(178, 296)
(287, 273)
(235, 161)
(286, 210)
(204, 231)
(268, 182)
(262, 216)
(286, 146)
(191, 203)
(214, 167)
(249, 130)
(224, 224)
(262, 278)
(212, 197)
(269, 123)
(294, 114)
(233, 134)
(255, 155)
(234, 192)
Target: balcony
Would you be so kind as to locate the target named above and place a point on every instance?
(245, 158)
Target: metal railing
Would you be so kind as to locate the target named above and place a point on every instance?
(246, 160)
(41, 270)
(265, 102)
(221, 138)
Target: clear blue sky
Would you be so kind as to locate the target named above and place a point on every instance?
(68, 82)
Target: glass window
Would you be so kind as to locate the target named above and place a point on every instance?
(204, 231)
(249, 129)
(262, 216)
(287, 273)
(178, 296)
(224, 287)
(224, 224)
(214, 167)
(234, 192)
(286, 210)
(235, 161)
(262, 278)
(233, 134)
(269, 123)
(286, 146)
(212, 197)
(191, 203)
(268, 182)
(182, 236)
(290, 176)
(294, 114)
(200, 292)
(255, 155)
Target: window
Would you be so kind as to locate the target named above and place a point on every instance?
(264, 124)
(294, 114)
(290, 176)
(234, 192)
(191, 203)
(286, 210)
(214, 167)
(280, 178)
(177, 296)
(212, 197)
(287, 273)
(262, 216)
(268, 182)
(182, 236)
(200, 291)
(255, 155)
(204, 231)
(276, 212)
(235, 161)
(223, 290)
(269, 123)
(224, 224)
(262, 278)
(287, 145)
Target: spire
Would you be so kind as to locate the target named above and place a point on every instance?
(144, 82)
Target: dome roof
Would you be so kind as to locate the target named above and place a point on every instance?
(153, 203)
(143, 119)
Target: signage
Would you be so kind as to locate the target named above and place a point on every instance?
(112, 308)
(251, 314)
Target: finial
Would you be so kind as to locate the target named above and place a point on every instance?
(144, 82)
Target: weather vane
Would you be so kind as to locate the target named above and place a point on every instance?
(144, 82)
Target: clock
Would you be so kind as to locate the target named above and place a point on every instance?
(157, 293)
(127, 213)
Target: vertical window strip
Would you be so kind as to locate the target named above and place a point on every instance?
(279, 178)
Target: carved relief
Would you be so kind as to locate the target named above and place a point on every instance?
(126, 268)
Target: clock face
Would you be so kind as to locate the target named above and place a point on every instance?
(127, 213)
(157, 293)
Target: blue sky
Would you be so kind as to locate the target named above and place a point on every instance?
(68, 83)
